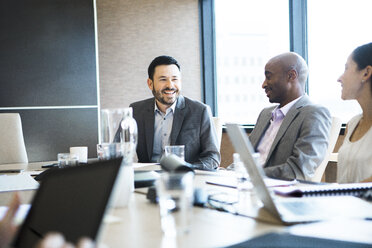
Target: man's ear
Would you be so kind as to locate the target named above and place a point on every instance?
(150, 84)
(292, 75)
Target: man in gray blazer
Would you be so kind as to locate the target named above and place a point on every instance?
(292, 137)
(169, 118)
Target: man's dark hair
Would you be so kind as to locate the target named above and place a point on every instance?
(161, 60)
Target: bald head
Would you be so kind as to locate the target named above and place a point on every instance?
(285, 78)
(292, 61)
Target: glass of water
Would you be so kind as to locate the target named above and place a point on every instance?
(67, 159)
(178, 150)
(175, 194)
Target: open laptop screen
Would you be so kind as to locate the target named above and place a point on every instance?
(71, 201)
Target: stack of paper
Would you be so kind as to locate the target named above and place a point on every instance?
(17, 182)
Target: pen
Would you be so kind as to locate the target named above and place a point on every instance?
(49, 165)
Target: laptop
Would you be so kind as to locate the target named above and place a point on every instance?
(71, 201)
(294, 210)
(13, 168)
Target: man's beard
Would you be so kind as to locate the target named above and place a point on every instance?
(158, 96)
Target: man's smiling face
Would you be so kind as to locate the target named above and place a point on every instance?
(166, 84)
(276, 83)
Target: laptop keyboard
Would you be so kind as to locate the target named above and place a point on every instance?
(298, 207)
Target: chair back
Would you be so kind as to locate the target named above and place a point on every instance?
(332, 139)
(12, 145)
(218, 126)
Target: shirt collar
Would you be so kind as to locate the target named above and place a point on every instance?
(288, 106)
(172, 107)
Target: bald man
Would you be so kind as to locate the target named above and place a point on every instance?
(291, 137)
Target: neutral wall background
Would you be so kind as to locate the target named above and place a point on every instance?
(133, 32)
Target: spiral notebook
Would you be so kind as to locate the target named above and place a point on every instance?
(353, 189)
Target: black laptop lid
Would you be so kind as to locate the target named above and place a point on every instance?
(71, 201)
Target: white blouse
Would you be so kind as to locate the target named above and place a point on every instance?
(355, 158)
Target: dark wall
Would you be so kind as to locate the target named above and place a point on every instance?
(48, 63)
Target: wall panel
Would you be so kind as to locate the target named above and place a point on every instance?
(48, 73)
(133, 32)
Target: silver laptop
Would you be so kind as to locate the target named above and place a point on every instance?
(13, 168)
(295, 210)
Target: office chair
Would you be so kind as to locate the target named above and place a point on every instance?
(218, 126)
(332, 139)
(12, 145)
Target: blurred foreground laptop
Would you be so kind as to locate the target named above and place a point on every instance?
(71, 201)
(295, 210)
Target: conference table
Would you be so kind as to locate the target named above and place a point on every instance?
(138, 224)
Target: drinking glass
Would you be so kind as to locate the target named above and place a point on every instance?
(107, 151)
(175, 195)
(178, 150)
(67, 159)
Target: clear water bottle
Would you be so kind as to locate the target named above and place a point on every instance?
(128, 135)
(110, 123)
(113, 120)
(241, 174)
(118, 134)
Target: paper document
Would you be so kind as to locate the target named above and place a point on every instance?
(232, 182)
(17, 182)
(140, 165)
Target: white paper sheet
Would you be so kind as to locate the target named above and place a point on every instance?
(17, 182)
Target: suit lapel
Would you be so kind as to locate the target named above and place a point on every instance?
(149, 119)
(261, 128)
(177, 119)
(288, 119)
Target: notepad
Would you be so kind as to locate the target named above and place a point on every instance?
(353, 189)
(17, 182)
(231, 182)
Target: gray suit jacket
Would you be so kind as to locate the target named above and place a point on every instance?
(192, 127)
(301, 142)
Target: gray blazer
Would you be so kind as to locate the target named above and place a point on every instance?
(192, 127)
(301, 142)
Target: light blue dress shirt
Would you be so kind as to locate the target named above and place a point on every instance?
(162, 130)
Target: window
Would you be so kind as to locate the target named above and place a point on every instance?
(248, 33)
(333, 33)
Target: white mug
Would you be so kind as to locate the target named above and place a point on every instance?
(81, 152)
